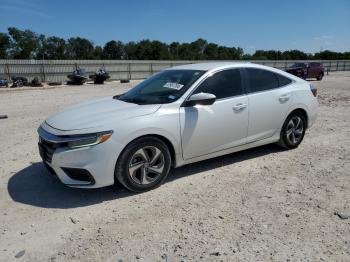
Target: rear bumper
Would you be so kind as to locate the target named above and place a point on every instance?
(312, 113)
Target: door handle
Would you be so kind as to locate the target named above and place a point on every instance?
(239, 107)
(284, 98)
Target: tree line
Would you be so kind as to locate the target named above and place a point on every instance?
(26, 44)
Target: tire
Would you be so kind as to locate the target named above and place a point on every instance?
(319, 77)
(293, 131)
(143, 165)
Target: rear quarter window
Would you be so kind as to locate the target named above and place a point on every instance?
(261, 80)
(282, 80)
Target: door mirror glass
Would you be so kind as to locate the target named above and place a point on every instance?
(201, 99)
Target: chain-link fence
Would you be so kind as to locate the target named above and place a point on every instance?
(57, 70)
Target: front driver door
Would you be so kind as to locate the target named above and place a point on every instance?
(209, 129)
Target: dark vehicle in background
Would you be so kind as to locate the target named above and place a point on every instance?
(19, 81)
(4, 83)
(100, 76)
(78, 77)
(307, 70)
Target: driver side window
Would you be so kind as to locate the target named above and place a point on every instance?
(223, 84)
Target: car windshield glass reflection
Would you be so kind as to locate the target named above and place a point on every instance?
(164, 87)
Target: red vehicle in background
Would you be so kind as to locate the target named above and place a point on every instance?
(307, 70)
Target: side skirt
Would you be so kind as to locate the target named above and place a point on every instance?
(265, 141)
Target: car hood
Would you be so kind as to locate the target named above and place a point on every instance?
(98, 113)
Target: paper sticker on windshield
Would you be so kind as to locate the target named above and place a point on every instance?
(171, 85)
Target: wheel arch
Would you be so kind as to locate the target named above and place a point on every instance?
(164, 139)
(302, 111)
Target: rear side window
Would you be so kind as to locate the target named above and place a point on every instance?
(261, 80)
(223, 84)
(282, 80)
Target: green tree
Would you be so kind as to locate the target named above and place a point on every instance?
(294, 55)
(80, 48)
(144, 50)
(130, 50)
(151, 50)
(211, 52)
(160, 51)
(113, 50)
(24, 44)
(98, 52)
(197, 49)
(174, 50)
(52, 48)
(328, 55)
(5, 45)
(185, 52)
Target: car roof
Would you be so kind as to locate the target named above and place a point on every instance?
(213, 66)
(217, 65)
(207, 66)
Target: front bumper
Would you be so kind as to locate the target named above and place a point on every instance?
(85, 167)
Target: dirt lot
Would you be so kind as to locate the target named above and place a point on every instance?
(257, 205)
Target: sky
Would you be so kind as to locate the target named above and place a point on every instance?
(307, 25)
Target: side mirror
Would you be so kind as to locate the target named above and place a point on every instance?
(204, 99)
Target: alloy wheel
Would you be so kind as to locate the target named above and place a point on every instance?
(146, 165)
(295, 130)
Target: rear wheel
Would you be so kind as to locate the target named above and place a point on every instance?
(293, 131)
(144, 164)
(319, 77)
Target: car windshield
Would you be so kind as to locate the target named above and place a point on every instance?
(164, 87)
(298, 65)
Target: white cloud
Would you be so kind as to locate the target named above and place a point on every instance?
(23, 7)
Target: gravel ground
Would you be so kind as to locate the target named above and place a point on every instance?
(256, 205)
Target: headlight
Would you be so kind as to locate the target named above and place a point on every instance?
(89, 140)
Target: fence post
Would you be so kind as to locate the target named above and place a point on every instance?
(151, 68)
(337, 65)
(129, 70)
(43, 71)
(8, 71)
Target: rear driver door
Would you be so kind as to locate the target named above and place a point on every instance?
(270, 96)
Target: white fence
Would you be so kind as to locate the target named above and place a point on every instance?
(57, 70)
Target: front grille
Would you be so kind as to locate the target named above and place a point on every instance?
(47, 149)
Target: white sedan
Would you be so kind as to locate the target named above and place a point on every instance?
(179, 116)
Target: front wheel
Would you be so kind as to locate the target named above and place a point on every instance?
(143, 165)
(293, 131)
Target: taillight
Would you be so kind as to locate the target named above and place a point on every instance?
(313, 90)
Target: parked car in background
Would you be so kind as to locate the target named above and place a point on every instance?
(178, 116)
(307, 70)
